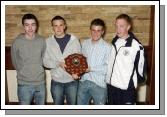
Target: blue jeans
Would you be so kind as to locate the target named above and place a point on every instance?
(88, 90)
(26, 94)
(60, 90)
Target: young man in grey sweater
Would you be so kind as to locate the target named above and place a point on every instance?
(27, 52)
(58, 47)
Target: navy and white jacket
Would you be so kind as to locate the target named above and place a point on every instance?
(127, 63)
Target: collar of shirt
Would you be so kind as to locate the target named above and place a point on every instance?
(97, 42)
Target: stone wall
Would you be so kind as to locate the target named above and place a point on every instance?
(78, 19)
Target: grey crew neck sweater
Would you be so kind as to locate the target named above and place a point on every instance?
(27, 58)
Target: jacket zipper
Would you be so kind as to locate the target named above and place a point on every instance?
(115, 60)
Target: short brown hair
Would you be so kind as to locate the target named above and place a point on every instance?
(57, 17)
(99, 22)
(127, 18)
(30, 16)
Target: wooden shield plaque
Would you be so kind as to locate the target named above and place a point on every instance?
(76, 64)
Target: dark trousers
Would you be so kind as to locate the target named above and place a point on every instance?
(117, 96)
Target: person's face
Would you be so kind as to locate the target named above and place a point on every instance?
(30, 26)
(96, 32)
(58, 27)
(122, 27)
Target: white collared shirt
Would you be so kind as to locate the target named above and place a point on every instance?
(97, 55)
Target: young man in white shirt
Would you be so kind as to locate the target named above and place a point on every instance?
(92, 84)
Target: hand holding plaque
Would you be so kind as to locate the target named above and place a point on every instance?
(76, 64)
